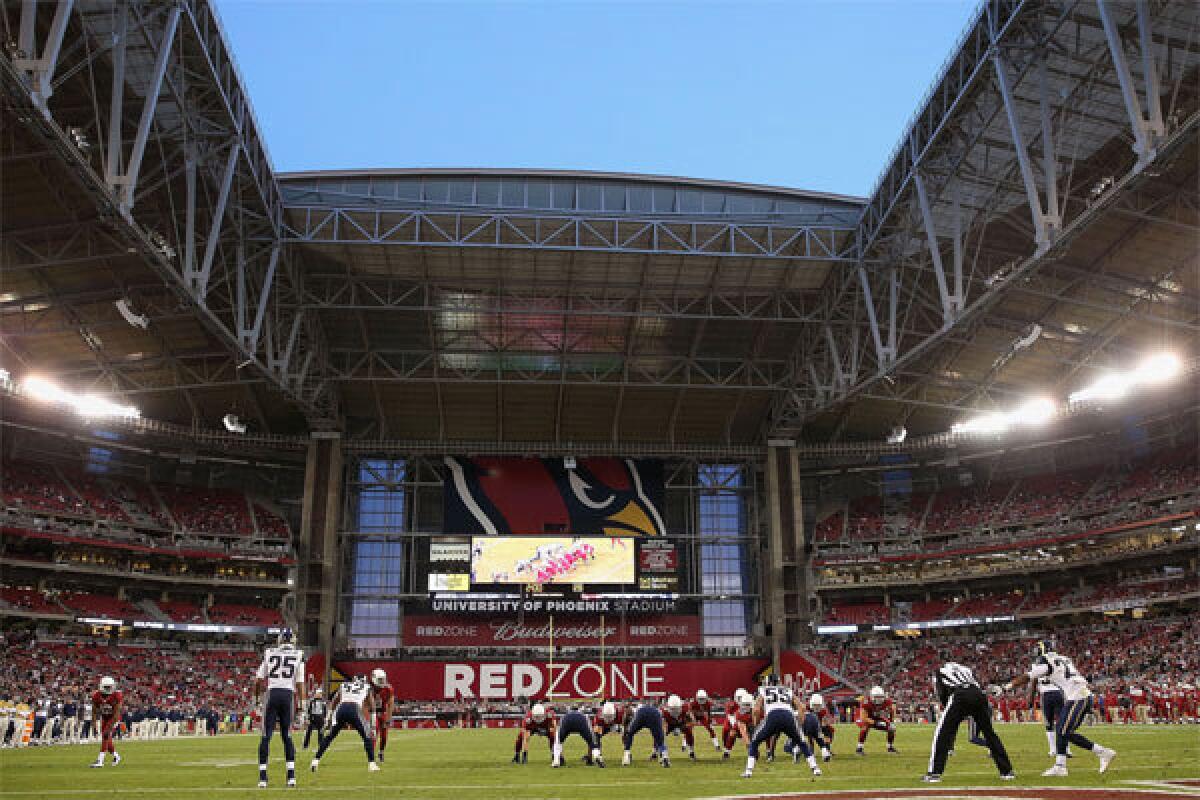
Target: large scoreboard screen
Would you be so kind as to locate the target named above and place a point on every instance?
(553, 560)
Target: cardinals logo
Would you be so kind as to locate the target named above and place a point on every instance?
(598, 497)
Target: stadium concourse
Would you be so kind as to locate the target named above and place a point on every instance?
(480, 450)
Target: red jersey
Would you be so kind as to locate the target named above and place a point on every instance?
(746, 716)
(731, 709)
(825, 718)
(605, 726)
(701, 710)
(677, 719)
(106, 705)
(383, 698)
(879, 712)
(533, 726)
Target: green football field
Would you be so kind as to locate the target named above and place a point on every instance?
(456, 765)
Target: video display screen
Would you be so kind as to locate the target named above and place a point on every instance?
(553, 560)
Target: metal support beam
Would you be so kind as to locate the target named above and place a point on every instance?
(882, 354)
(250, 337)
(1143, 141)
(116, 106)
(1052, 212)
(1154, 120)
(1042, 235)
(128, 182)
(198, 281)
(949, 308)
(41, 70)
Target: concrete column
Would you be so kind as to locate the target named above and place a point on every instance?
(317, 579)
(786, 589)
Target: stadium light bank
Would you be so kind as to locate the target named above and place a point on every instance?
(88, 406)
(1154, 370)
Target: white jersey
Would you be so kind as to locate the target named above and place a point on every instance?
(1062, 673)
(354, 693)
(776, 697)
(1045, 685)
(282, 668)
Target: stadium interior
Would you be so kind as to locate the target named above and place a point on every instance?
(837, 436)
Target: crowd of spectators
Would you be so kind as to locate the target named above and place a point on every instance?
(1117, 657)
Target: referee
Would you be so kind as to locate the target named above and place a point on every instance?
(316, 716)
(961, 697)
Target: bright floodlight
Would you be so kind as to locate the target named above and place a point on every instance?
(988, 423)
(1109, 386)
(1034, 412)
(1158, 369)
(88, 405)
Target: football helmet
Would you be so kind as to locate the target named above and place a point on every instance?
(287, 638)
(738, 694)
(675, 703)
(538, 712)
(816, 702)
(701, 695)
(317, 692)
(378, 678)
(877, 693)
(1043, 647)
(108, 684)
(608, 712)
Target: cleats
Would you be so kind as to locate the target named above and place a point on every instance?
(725, 756)
(816, 772)
(372, 767)
(626, 759)
(516, 759)
(96, 764)
(262, 784)
(795, 756)
(117, 758)
(1055, 772)
(1008, 776)
(748, 774)
(599, 762)
(1106, 757)
(556, 763)
(291, 782)
(770, 758)
(379, 757)
(931, 778)
(666, 762)
(525, 757)
(692, 755)
(313, 766)
(826, 754)
(892, 749)
(858, 751)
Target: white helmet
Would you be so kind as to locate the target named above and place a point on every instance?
(379, 678)
(816, 701)
(701, 695)
(738, 694)
(675, 703)
(538, 712)
(317, 692)
(608, 712)
(107, 684)
(877, 693)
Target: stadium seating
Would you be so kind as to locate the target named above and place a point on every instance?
(181, 610)
(101, 605)
(27, 599)
(236, 614)
(39, 488)
(215, 511)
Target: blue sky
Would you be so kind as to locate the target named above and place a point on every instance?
(806, 94)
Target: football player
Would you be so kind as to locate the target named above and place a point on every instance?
(354, 706)
(648, 717)
(775, 710)
(539, 721)
(607, 719)
(106, 705)
(677, 718)
(876, 712)
(702, 715)
(1052, 705)
(575, 721)
(281, 674)
(816, 723)
(383, 695)
(739, 720)
(1062, 672)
